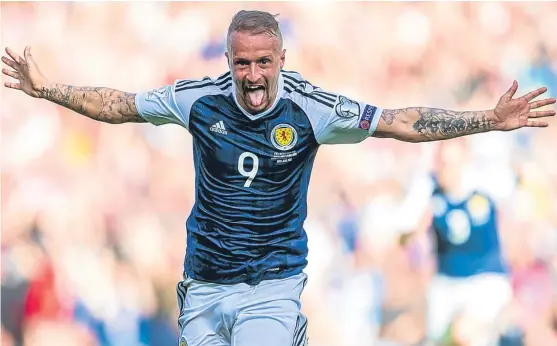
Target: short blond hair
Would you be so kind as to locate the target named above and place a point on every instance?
(254, 22)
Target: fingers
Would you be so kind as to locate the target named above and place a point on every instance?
(10, 63)
(512, 90)
(536, 123)
(13, 85)
(27, 54)
(541, 114)
(541, 103)
(10, 73)
(14, 56)
(533, 94)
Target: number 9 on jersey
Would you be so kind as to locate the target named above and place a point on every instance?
(241, 167)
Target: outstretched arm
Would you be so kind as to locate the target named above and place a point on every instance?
(102, 104)
(421, 124)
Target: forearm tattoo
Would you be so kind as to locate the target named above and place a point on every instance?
(435, 123)
(429, 124)
(389, 115)
(102, 104)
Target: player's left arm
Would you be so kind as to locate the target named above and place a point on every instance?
(422, 124)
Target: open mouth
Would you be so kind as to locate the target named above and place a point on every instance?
(256, 94)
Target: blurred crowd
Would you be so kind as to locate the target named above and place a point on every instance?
(93, 215)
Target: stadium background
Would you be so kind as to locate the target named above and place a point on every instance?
(93, 214)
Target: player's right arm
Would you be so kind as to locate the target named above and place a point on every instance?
(102, 104)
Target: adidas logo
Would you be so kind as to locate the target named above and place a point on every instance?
(218, 128)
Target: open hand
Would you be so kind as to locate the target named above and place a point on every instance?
(511, 114)
(30, 79)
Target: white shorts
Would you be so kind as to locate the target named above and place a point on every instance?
(242, 315)
(482, 296)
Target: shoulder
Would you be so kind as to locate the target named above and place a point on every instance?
(196, 88)
(305, 94)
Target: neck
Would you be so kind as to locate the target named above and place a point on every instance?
(459, 191)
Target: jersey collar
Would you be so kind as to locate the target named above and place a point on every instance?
(259, 115)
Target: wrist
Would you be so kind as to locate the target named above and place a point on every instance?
(492, 120)
(44, 90)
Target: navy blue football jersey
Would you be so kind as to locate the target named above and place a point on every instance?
(252, 171)
(467, 235)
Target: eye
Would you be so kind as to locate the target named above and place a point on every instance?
(242, 63)
(264, 61)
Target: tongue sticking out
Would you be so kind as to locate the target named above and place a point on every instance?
(256, 97)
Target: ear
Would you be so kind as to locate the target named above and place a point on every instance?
(282, 58)
(227, 58)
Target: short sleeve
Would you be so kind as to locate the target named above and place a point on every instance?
(172, 104)
(349, 121)
(335, 119)
(159, 107)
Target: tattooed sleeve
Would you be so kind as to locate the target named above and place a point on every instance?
(429, 124)
(102, 104)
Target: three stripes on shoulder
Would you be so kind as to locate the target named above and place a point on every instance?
(293, 82)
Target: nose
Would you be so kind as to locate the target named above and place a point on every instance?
(254, 73)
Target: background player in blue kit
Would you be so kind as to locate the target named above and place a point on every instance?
(256, 131)
(471, 283)
(471, 279)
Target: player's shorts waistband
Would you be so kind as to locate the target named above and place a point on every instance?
(244, 278)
